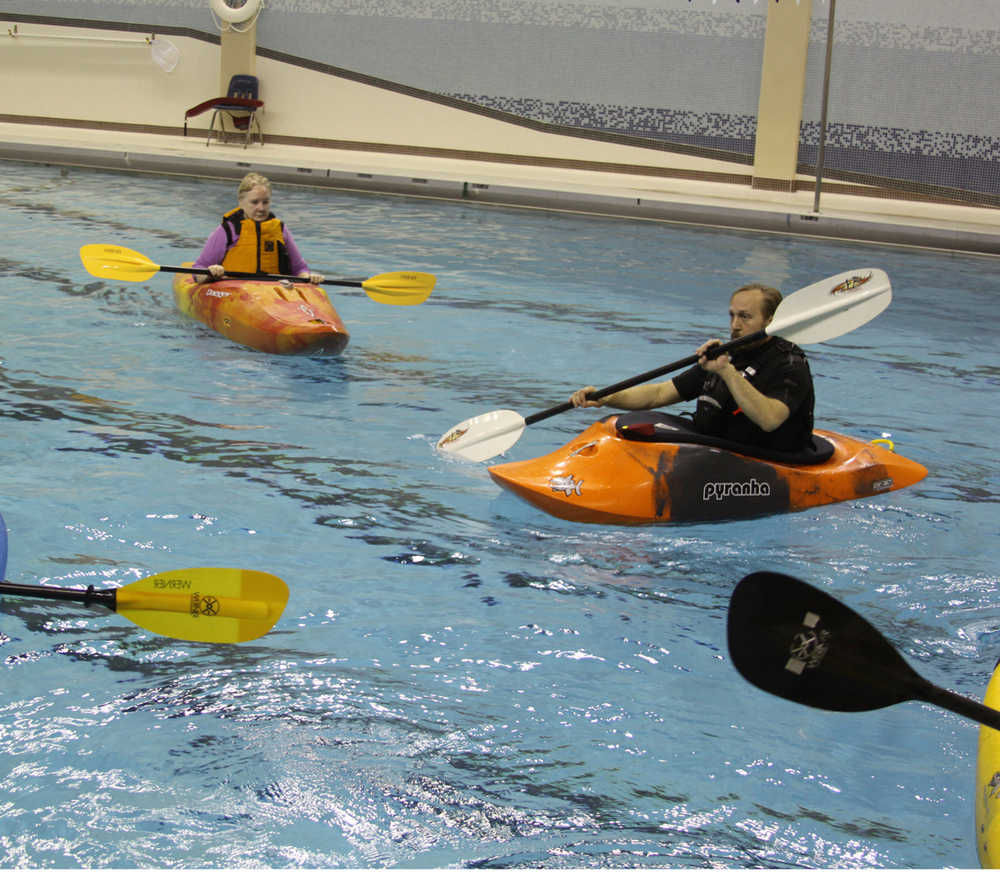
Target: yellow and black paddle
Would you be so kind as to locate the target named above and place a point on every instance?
(799, 643)
(401, 288)
(225, 605)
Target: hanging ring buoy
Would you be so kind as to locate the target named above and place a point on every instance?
(235, 14)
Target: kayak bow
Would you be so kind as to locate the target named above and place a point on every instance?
(266, 316)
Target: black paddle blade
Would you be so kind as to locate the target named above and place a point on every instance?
(793, 640)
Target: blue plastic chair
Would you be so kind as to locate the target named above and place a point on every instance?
(240, 104)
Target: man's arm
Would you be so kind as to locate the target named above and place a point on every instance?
(639, 398)
(767, 413)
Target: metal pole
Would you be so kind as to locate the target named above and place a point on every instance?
(826, 98)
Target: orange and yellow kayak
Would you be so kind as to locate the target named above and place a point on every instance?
(267, 316)
(623, 470)
(988, 784)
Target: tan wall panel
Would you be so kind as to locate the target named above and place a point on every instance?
(103, 81)
(782, 87)
(107, 83)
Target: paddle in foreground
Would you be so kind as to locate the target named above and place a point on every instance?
(987, 794)
(224, 605)
(817, 313)
(797, 642)
(398, 288)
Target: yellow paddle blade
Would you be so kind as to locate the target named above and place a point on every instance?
(205, 604)
(401, 287)
(117, 262)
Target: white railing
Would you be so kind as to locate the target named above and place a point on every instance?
(164, 53)
(80, 38)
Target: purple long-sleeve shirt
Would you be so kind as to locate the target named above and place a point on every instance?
(217, 245)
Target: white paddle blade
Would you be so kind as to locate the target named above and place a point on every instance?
(832, 307)
(484, 436)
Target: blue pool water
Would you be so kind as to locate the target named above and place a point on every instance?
(459, 680)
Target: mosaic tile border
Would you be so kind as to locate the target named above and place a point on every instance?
(935, 159)
(652, 122)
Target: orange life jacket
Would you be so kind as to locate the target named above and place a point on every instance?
(254, 246)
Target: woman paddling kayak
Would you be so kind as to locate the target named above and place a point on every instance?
(251, 239)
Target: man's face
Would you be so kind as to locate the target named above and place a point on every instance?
(746, 313)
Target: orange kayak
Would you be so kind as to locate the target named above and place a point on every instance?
(623, 470)
(264, 315)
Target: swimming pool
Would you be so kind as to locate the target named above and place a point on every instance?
(460, 680)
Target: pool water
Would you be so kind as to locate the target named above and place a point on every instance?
(459, 680)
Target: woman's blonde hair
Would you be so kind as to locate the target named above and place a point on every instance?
(250, 181)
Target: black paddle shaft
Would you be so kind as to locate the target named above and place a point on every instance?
(648, 376)
(89, 596)
(248, 274)
(958, 704)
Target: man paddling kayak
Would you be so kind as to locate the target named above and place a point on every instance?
(760, 394)
(251, 239)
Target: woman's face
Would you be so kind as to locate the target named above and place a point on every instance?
(256, 203)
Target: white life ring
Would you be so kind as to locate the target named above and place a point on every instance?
(235, 14)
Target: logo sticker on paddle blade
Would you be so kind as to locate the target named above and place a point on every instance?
(204, 605)
(852, 283)
(809, 647)
(453, 436)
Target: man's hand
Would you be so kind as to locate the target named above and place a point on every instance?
(718, 364)
(580, 400)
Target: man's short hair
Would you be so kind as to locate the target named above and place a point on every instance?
(772, 297)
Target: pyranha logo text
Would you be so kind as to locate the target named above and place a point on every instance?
(722, 490)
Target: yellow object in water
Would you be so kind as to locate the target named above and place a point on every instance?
(988, 784)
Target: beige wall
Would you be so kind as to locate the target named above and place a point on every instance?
(238, 53)
(88, 79)
(119, 84)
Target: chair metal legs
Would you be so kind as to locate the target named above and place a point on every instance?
(223, 135)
